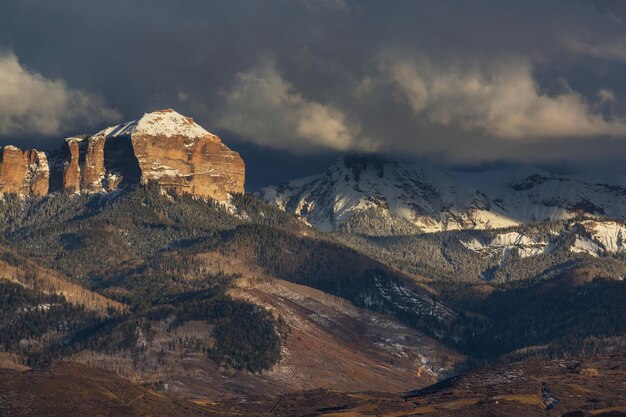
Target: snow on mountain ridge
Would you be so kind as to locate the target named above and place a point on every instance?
(505, 242)
(433, 199)
(161, 122)
(610, 235)
(595, 238)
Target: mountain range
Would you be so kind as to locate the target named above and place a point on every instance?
(136, 270)
(375, 196)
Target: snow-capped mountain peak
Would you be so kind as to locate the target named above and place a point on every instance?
(376, 196)
(165, 122)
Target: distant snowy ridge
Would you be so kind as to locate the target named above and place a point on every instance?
(378, 197)
(506, 242)
(591, 237)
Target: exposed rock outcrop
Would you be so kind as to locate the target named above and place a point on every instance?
(93, 171)
(38, 173)
(162, 146)
(71, 169)
(23, 172)
(180, 155)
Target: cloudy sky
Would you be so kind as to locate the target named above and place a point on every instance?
(292, 84)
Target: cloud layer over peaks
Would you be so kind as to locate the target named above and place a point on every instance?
(266, 109)
(462, 81)
(31, 104)
(501, 99)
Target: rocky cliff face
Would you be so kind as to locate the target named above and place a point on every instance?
(162, 146)
(71, 172)
(23, 172)
(180, 155)
(93, 171)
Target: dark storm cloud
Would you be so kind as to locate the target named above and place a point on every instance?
(463, 82)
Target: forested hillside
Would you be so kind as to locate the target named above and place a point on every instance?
(524, 291)
(532, 251)
(168, 264)
(153, 253)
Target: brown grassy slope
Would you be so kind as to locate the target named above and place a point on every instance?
(69, 389)
(585, 388)
(590, 386)
(30, 275)
(330, 344)
(334, 345)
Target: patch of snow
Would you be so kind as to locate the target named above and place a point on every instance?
(157, 171)
(74, 139)
(503, 243)
(582, 245)
(610, 235)
(230, 207)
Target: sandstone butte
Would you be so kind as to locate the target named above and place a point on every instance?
(162, 146)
